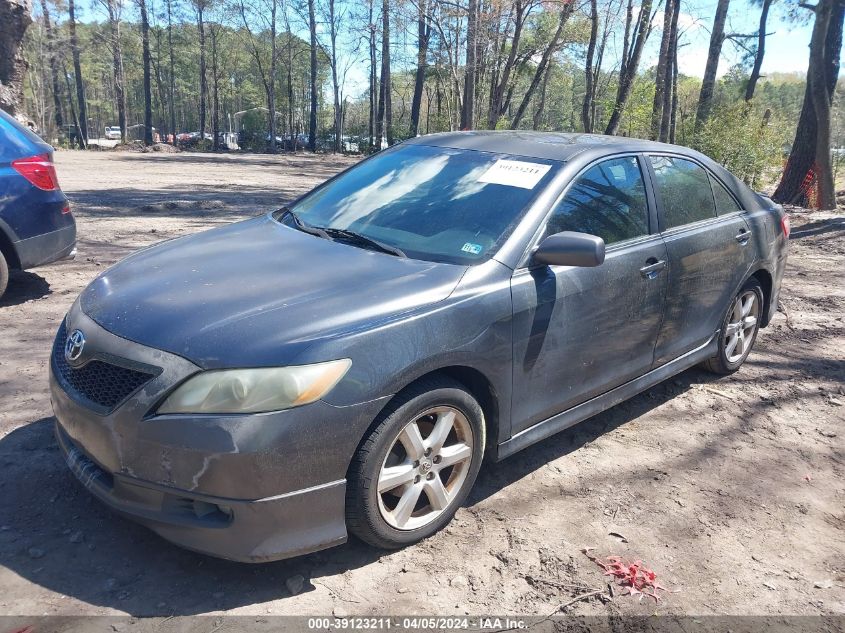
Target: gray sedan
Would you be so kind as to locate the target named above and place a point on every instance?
(345, 364)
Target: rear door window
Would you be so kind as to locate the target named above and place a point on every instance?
(684, 190)
(607, 200)
(725, 202)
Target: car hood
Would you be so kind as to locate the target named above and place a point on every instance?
(257, 293)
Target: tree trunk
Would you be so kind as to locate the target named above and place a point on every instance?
(589, 90)
(117, 67)
(630, 63)
(172, 73)
(312, 119)
(660, 76)
(145, 56)
(77, 73)
(384, 116)
(373, 79)
(203, 79)
(468, 109)
(54, 69)
(14, 21)
(271, 83)
(708, 83)
(821, 104)
(758, 54)
(498, 106)
(670, 78)
(538, 113)
(790, 189)
(338, 113)
(423, 35)
(215, 90)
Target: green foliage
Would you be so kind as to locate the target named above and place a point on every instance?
(739, 137)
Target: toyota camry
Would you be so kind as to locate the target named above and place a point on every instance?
(346, 363)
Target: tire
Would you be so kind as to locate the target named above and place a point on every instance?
(4, 275)
(732, 332)
(387, 519)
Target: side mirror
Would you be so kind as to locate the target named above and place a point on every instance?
(569, 248)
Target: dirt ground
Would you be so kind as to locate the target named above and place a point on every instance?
(731, 489)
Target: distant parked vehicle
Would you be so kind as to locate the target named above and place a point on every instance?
(36, 226)
(112, 133)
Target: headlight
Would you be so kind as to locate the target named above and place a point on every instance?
(255, 390)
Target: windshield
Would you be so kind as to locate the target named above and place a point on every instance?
(433, 203)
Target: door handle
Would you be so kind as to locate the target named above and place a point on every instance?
(652, 267)
(743, 237)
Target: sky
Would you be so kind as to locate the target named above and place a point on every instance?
(787, 48)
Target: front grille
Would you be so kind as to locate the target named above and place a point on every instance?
(97, 382)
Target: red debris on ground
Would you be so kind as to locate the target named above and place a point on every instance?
(638, 579)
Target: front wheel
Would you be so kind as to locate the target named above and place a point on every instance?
(739, 329)
(4, 275)
(417, 466)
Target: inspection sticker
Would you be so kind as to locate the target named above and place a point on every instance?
(515, 173)
(471, 248)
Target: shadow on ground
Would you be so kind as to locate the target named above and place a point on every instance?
(56, 535)
(24, 286)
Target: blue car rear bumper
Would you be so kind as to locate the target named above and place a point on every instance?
(46, 248)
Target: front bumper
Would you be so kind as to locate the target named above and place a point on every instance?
(247, 488)
(251, 531)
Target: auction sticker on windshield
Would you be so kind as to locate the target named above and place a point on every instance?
(515, 173)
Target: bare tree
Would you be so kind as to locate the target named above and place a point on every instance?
(670, 80)
(714, 52)
(384, 116)
(423, 37)
(114, 9)
(53, 65)
(468, 109)
(545, 59)
(82, 118)
(759, 53)
(663, 62)
(312, 122)
(267, 15)
(172, 70)
(145, 57)
(631, 53)
(589, 70)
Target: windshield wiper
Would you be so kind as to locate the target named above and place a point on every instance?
(302, 226)
(364, 240)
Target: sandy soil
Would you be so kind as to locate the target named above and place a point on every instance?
(732, 490)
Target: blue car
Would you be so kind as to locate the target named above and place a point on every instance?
(36, 225)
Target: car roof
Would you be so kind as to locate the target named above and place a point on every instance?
(545, 145)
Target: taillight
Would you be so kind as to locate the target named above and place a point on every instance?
(39, 170)
(784, 225)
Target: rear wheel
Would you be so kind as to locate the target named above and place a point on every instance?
(4, 274)
(417, 466)
(739, 329)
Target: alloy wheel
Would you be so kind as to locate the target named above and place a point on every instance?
(739, 333)
(425, 468)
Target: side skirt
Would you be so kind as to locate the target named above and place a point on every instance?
(588, 409)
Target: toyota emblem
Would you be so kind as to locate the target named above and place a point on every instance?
(73, 346)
